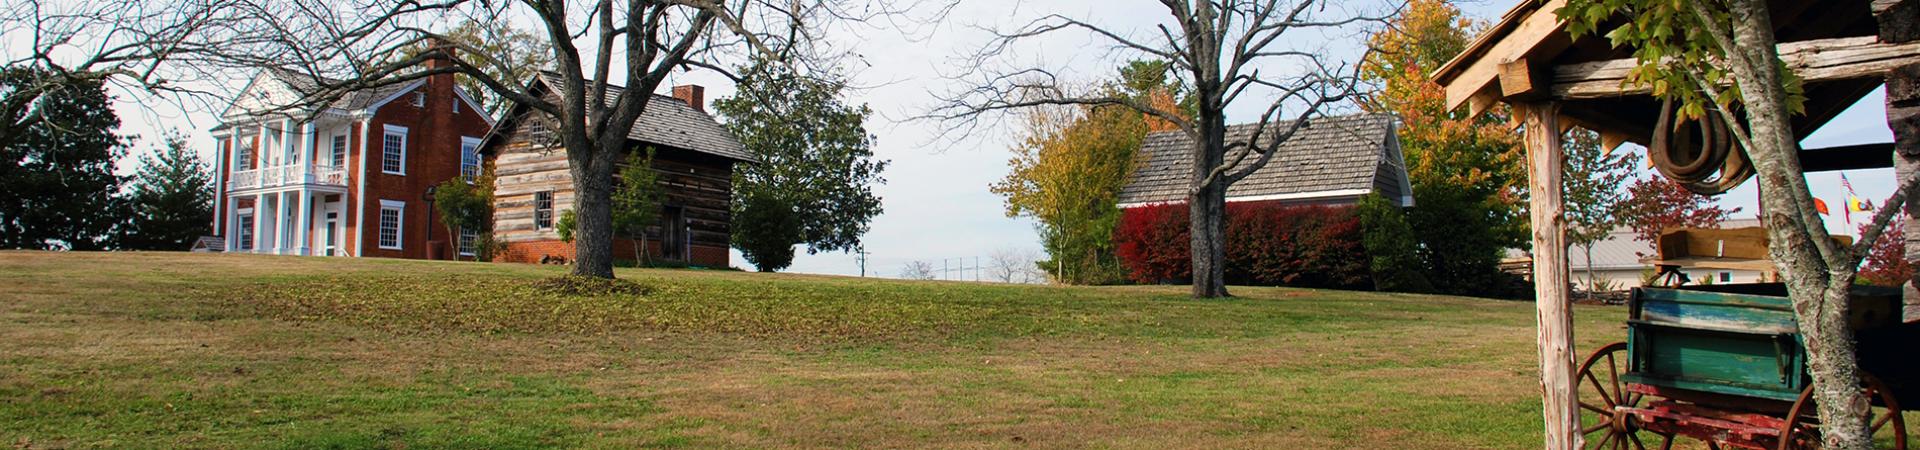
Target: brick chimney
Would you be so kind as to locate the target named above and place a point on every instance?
(445, 59)
(693, 94)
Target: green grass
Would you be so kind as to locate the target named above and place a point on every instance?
(151, 350)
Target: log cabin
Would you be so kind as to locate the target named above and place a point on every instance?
(692, 154)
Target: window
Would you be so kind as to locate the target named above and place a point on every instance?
(469, 158)
(244, 227)
(393, 150)
(339, 156)
(390, 220)
(467, 236)
(543, 210)
(1726, 277)
(419, 99)
(243, 157)
(456, 104)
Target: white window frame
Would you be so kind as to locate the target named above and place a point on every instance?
(466, 239)
(243, 155)
(399, 224)
(401, 163)
(552, 218)
(419, 99)
(470, 146)
(338, 156)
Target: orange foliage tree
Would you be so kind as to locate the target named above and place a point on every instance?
(1467, 171)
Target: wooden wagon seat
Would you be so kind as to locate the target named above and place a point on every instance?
(1717, 248)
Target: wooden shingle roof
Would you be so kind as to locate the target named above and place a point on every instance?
(1332, 156)
(671, 122)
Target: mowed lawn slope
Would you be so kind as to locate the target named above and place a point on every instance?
(156, 350)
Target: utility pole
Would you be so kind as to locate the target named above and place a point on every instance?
(860, 255)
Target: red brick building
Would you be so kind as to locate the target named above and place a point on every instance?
(693, 157)
(345, 179)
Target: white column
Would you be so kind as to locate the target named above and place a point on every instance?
(259, 223)
(306, 153)
(232, 211)
(280, 223)
(304, 223)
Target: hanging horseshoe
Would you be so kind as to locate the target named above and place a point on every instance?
(1693, 165)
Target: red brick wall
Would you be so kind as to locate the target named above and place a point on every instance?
(432, 156)
(534, 251)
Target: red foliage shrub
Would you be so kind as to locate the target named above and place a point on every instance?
(1267, 244)
(1152, 242)
(1886, 263)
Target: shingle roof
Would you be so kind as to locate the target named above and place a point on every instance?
(1329, 154)
(671, 122)
(305, 83)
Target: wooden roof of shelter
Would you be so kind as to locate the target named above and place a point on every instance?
(1529, 55)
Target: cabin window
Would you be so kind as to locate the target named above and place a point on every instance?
(393, 150)
(391, 214)
(543, 210)
(339, 156)
(243, 226)
(467, 236)
(469, 158)
(1726, 277)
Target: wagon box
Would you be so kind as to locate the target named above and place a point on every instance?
(1732, 339)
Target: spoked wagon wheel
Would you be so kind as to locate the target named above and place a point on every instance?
(1802, 428)
(1604, 421)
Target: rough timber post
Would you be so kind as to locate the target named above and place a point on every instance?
(1898, 24)
(1554, 311)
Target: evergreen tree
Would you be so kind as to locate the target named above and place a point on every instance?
(1390, 246)
(172, 199)
(816, 167)
(58, 189)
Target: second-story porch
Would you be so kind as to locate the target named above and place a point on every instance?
(293, 176)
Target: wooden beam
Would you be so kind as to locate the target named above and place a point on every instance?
(1847, 157)
(1815, 61)
(1532, 36)
(1552, 305)
(1519, 80)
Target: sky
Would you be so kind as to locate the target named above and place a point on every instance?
(936, 198)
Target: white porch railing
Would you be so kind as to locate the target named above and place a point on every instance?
(286, 176)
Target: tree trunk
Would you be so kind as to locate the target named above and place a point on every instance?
(593, 212)
(1796, 234)
(1207, 209)
(1592, 283)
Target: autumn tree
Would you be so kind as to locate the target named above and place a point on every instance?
(466, 203)
(1067, 171)
(1656, 204)
(1220, 50)
(1886, 264)
(1593, 188)
(1467, 171)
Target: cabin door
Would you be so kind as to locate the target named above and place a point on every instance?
(673, 234)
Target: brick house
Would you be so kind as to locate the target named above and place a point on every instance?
(347, 178)
(1332, 162)
(693, 157)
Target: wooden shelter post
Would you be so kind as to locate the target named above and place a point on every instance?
(1899, 22)
(1545, 164)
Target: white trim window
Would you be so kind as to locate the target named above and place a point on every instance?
(543, 210)
(243, 227)
(467, 236)
(419, 99)
(243, 155)
(469, 158)
(393, 150)
(339, 156)
(392, 217)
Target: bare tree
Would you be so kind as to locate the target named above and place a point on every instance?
(643, 41)
(1011, 265)
(917, 270)
(1221, 47)
(146, 46)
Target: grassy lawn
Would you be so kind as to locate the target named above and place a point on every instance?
(240, 351)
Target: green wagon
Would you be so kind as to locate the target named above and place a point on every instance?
(1726, 365)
